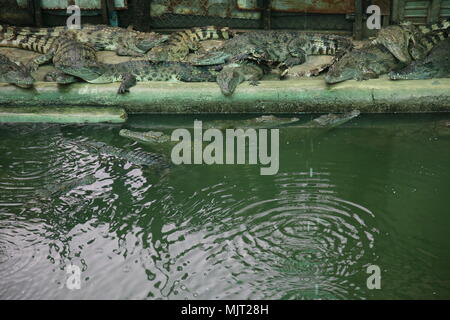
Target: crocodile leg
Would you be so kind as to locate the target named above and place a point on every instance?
(34, 64)
(60, 77)
(128, 81)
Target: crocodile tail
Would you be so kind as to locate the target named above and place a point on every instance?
(12, 30)
(432, 38)
(197, 34)
(332, 45)
(39, 43)
(441, 25)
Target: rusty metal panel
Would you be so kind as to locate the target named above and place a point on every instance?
(445, 9)
(211, 8)
(314, 6)
(83, 4)
(247, 4)
(385, 6)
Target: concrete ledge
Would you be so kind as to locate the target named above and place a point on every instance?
(62, 114)
(309, 95)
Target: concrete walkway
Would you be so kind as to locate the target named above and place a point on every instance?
(300, 95)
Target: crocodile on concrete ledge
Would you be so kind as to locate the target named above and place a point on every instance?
(409, 42)
(74, 59)
(15, 73)
(287, 48)
(366, 63)
(234, 74)
(128, 73)
(435, 65)
(180, 44)
(124, 42)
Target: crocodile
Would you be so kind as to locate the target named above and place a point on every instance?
(142, 158)
(408, 42)
(331, 120)
(366, 63)
(162, 142)
(435, 65)
(54, 190)
(76, 60)
(234, 74)
(15, 73)
(286, 48)
(124, 42)
(180, 44)
(327, 121)
(62, 51)
(128, 73)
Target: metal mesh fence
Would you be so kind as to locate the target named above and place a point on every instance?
(168, 14)
(238, 14)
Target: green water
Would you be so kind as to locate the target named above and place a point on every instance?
(372, 192)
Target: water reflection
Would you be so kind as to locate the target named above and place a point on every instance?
(337, 206)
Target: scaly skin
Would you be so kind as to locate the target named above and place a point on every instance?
(123, 41)
(408, 42)
(288, 48)
(180, 44)
(136, 157)
(76, 59)
(128, 73)
(435, 65)
(265, 121)
(235, 73)
(54, 190)
(62, 51)
(15, 73)
(149, 137)
(369, 62)
(329, 121)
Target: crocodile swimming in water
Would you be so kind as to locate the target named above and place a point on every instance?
(15, 73)
(287, 48)
(180, 44)
(54, 190)
(157, 137)
(136, 157)
(369, 62)
(435, 65)
(327, 121)
(331, 120)
(123, 41)
(408, 42)
(151, 137)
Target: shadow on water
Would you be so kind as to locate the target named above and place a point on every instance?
(372, 192)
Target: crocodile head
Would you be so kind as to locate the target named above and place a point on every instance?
(148, 40)
(81, 61)
(18, 74)
(398, 39)
(228, 80)
(347, 68)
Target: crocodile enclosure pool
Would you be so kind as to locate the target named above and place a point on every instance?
(373, 192)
